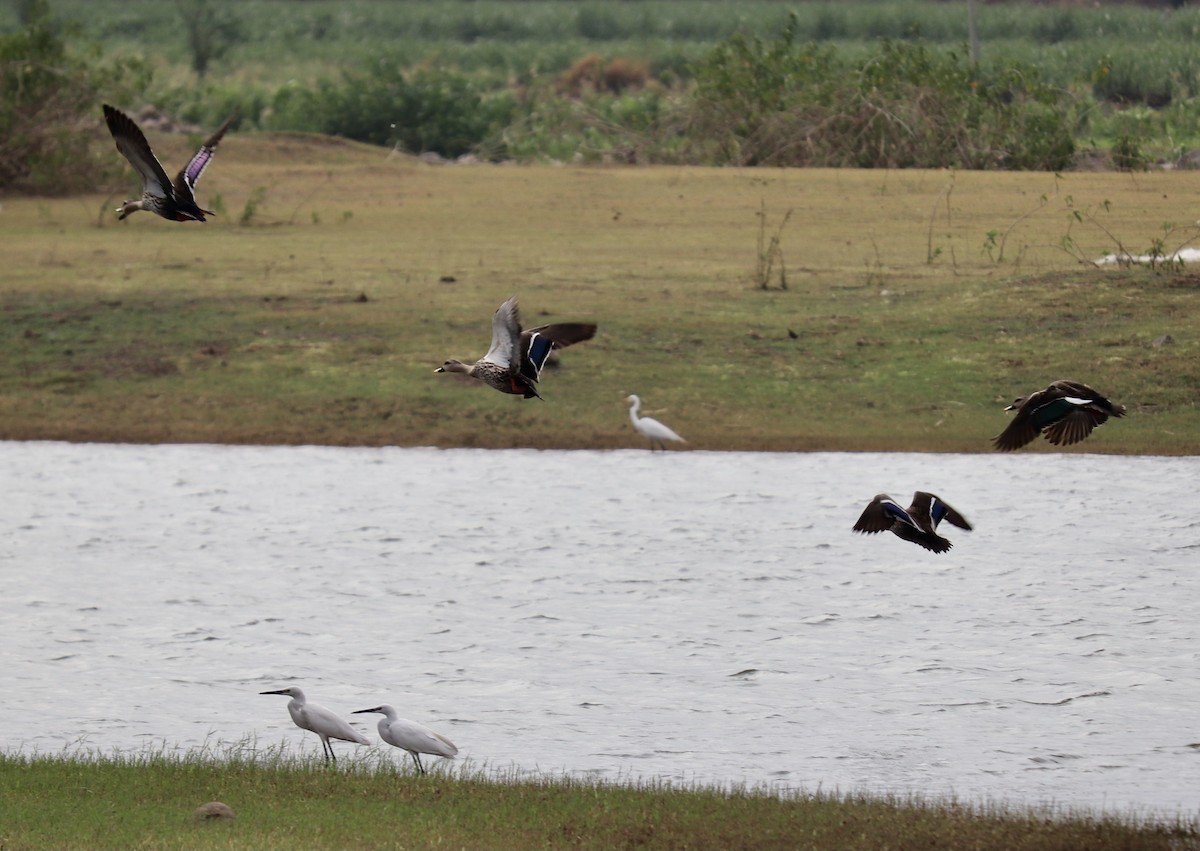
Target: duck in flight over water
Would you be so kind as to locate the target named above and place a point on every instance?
(917, 523)
(1065, 412)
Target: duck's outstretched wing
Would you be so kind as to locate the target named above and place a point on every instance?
(1033, 414)
(932, 506)
(1074, 426)
(506, 335)
(132, 144)
(185, 181)
(565, 334)
(881, 513)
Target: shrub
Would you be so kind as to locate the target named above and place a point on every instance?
(49, 113)
(429, 110)
(592, 74)
(779, 103)
(1133, 78)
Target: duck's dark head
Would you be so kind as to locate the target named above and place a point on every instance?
(128, 207)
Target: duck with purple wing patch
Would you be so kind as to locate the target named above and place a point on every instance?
(917, 523)
(176, 200)
(514, 362)
(1065, 412)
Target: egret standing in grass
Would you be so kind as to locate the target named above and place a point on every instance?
(650, 428)
(318, 719)
(411, 736)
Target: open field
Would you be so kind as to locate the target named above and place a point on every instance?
(315, 308)
(119, 803)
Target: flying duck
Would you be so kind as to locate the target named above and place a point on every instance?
(173, 201)
(514, 362)
(1066, 412)
(917, 523)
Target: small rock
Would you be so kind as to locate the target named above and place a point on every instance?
(1164, 340)
(213, 810)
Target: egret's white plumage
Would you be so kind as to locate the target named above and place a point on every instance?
(318, 719)
(411, 736)
(650, 428)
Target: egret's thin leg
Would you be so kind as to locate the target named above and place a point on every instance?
(420, 768)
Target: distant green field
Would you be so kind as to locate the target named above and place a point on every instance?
(283, 38)
(274, 41)
(1133, 73)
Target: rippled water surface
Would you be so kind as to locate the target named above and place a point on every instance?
(689, 616)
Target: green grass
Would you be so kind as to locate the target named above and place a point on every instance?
(147, 801)
(910, 332)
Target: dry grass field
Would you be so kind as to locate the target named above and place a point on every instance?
(315, 307)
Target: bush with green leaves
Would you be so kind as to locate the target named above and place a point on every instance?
(427, 110)
(781, 103)
(629, 127)
(49, 109)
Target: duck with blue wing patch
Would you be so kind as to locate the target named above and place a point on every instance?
(514, 362)
(917, 523)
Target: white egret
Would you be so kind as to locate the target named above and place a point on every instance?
(411, 736)
(650, 428)
(318, 719)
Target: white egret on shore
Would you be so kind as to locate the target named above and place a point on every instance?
(411, 736)
(650, 428)
(318, 719)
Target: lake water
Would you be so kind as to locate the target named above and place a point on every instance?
(692, 617)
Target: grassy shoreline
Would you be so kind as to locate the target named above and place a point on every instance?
(316, 306)
(280, 802)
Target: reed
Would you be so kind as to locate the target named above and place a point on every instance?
(282, 801)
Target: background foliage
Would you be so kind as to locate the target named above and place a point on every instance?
(875, 83)
(48, 95)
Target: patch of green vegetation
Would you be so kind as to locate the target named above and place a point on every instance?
(319, 330)
(280, 801)
(609, 79)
